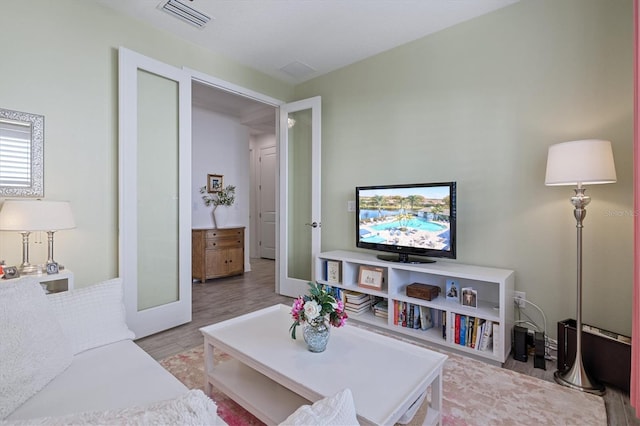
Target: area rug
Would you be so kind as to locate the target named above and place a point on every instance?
(475, 393)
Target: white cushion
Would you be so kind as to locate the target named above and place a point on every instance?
(336, 410)
(33, 348)
(92, 316)
(191, 408)
(111, 377)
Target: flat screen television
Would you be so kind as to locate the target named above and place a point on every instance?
(413, 221)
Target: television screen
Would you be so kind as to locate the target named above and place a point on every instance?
(416, 219)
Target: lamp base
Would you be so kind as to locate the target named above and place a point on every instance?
(29, 269)
(575, 378)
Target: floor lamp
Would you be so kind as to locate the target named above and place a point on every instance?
(583, 162)
(26, 216)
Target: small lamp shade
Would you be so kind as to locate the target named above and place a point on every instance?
(580, 162)
(36, 215)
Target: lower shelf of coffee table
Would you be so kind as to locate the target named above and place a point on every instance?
(267, 400)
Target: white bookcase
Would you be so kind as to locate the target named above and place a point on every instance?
(494, 288)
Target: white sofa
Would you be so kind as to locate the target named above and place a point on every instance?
(69, 358)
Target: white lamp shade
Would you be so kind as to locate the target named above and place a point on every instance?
(36, 215)
(580, 162)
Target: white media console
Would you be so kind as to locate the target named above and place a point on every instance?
(494, 289)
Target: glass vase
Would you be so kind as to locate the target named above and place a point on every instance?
(316, 334)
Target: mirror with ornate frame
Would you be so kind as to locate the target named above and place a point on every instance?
(21, 154)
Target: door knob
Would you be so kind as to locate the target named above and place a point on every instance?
(313, 225)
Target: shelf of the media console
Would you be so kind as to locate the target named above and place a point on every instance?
(485, 310)
(433, 334)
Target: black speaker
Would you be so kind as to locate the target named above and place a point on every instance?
(538, 358)
(520, 344)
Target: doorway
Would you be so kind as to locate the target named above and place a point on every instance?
(237, 141)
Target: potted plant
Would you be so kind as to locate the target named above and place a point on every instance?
(316, 311)
(224, 197)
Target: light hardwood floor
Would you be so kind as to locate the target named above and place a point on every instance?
(221, 299)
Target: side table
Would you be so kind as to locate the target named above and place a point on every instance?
(54, 283)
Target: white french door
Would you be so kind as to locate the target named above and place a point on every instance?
(154, 192)
(299, 221)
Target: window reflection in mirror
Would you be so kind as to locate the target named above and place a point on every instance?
(21, 154)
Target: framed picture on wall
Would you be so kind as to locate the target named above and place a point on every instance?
(214, 183)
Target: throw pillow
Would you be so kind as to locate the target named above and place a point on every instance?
(92, 316)
(33, 348)
(336, 410)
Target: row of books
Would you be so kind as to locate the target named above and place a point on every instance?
(474, 333)
(410, 315)
(380, 308)
(357, 303)
(465, 330)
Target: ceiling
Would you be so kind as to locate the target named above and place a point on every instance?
(259, 117)
(296, 40)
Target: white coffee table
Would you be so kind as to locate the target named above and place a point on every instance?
(272, 375)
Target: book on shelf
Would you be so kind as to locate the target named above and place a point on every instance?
(395, 312)
(404, 314)
(426, 318)
(333, 271)
(358, 304)
(496, 339)
(487, 334)
(477, 333)
(469, 338)
(355, 296)
(410, 317)
(463, 329)
(444, 325)
(336, 292)
(357, 310)
(453, 320)
(416, 316)
(381, 308)
(381, 304)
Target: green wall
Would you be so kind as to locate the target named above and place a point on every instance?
(480, 103)
(60, 60)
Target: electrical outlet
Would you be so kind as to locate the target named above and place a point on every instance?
(519, 297)
(351, 206)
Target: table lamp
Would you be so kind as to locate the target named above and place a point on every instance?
(26, 216)
(582, 162)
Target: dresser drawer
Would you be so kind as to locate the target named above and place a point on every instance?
(219, 243)
(223, 233)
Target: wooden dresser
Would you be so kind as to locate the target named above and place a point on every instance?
(217, 252)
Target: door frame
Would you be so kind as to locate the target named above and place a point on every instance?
(203, 78)
(314, 104)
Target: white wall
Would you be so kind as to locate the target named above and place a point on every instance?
(220, 145)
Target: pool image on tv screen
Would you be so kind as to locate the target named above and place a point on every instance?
(413, 217)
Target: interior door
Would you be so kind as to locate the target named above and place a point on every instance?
(267, 201)
(155, 200)
(299, 222)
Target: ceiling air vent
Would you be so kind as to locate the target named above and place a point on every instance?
(184, 12)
